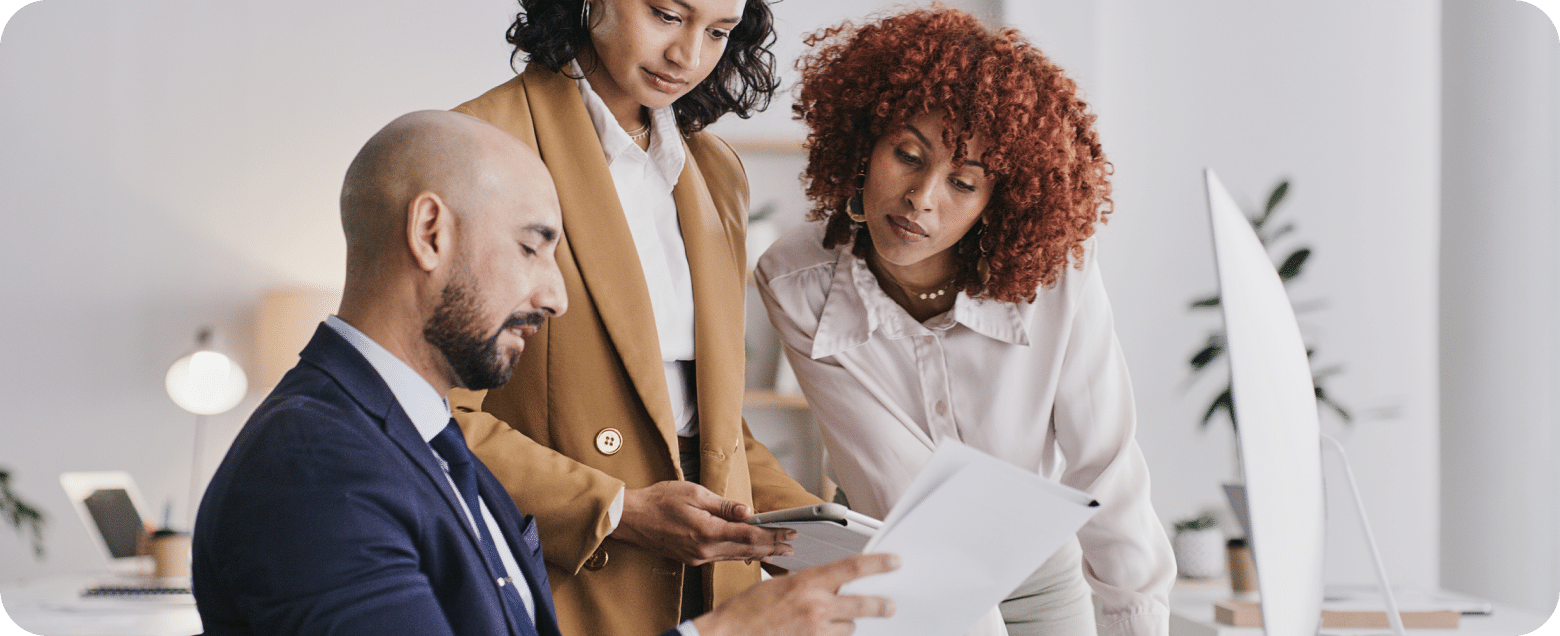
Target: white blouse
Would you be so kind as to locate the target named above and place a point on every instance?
(1043, 385)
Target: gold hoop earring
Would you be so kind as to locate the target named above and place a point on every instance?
(853, 208)
(983, 265)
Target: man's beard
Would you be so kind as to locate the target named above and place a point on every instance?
(455, 330)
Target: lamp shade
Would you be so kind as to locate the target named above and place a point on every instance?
(206, 383)
(285, 320)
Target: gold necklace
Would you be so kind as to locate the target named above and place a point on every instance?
(929, 295)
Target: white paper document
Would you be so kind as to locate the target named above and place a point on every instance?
(969, 530)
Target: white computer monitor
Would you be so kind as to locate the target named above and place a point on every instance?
(1279, 436)
(110, 506)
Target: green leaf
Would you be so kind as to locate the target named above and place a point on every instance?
(1226, 402)
(1321, 397)
(1293, 264)
(1207, 355)
(761, 212)
(1282, 230)
(1320, 375)
(1203, 522)
(1277, 197)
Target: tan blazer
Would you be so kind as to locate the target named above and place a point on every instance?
(599, 366)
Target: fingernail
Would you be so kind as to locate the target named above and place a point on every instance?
(893, 561)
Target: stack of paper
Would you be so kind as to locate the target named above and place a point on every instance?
(969, 530)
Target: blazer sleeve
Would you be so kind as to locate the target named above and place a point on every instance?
(344, 560)
(572, 517)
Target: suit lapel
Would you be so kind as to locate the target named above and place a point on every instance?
(598, 234)
(358, 378)
(719, 279)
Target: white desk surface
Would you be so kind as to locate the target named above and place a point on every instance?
(53, 606)
(1191, 614)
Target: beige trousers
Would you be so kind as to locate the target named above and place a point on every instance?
(1054, 601)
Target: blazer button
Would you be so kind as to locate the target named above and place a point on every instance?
(597, 560)
(609, 441)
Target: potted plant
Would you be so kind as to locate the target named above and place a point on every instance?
(1199, 547)
(21, 513)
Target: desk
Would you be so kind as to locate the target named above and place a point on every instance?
(1191, 614)
(53, 607)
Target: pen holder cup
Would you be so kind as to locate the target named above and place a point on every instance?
(1243, 570)
(170, 554)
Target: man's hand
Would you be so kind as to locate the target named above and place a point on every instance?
(806, 603)
(689, 523)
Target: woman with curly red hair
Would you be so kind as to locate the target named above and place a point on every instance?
(949, 288)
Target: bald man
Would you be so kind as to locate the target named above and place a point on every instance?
(350, 503)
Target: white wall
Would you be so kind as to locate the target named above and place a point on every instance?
(1340, 97)
(163, 163)
(1500, 294)
(794, 20)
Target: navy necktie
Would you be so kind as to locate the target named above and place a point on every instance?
(451, 445)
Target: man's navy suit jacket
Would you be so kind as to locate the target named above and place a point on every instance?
(331, 515)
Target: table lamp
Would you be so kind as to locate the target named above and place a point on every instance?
(205, 382)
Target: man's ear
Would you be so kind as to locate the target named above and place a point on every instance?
(430, 230)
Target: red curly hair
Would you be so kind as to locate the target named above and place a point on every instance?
(1052, 179)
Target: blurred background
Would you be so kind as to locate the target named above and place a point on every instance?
(165, 164)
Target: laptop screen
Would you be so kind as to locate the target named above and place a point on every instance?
(116, 519)
(109, 505)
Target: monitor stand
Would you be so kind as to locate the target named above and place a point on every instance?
(1330, 445)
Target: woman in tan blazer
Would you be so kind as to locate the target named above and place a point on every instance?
(586, 434)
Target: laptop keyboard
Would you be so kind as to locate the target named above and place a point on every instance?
(120, 591)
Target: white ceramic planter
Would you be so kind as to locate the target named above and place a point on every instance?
(1199, 554)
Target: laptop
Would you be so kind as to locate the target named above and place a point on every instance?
(109, 505)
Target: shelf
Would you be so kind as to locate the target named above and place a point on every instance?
(766, 399)
(773, 145)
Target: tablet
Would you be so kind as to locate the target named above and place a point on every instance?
(825, 533)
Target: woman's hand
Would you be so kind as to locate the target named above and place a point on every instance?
(687, 522)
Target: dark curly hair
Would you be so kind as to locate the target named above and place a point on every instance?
(548, 32)
(1052, 182)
